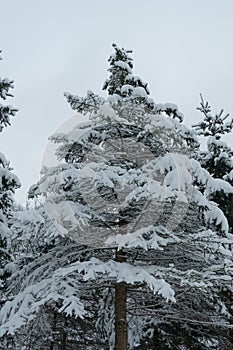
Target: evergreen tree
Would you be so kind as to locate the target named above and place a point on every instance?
(8, 183)
(143, 254)
(218, 158)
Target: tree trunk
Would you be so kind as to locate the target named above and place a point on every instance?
(54, 329)
(64, 336)
(121, 327)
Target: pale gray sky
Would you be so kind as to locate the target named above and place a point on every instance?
(181, 47)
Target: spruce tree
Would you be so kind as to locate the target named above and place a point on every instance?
(8, 183)
(147, 252)
(218, 160)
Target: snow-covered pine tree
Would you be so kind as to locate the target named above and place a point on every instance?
(8, 183)
(124, 189)
(122, 83)
(218, 158)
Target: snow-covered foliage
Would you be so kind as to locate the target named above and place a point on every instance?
(123, 86)
(218, 158)
(121, 81)
(6, 111)
(32, 233)
(213, 125)
(8, 183)
(147, 163)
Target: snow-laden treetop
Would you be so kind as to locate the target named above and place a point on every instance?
(122, 86)
(213, 124)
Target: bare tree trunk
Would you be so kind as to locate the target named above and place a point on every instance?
(64, 336)
(54, 328)
(121, 327)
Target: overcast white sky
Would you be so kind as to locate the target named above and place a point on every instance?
(181, 47)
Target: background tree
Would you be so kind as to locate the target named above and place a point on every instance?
(8, 183)
(218, 160)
